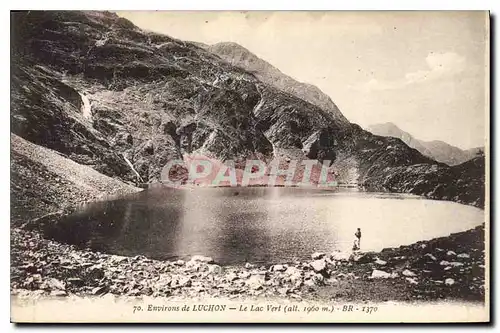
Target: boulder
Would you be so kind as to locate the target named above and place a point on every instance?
(318, 279)
(449, 282)
(411, 280)
(184, 281)
(319, 266)
(451, 253)
(463, 255)
(118, 259)
(380, 262)
(53, 284)
(249, 265)
(215, 269)
(278, 268)
(430, 256)
(409, 273)
(318, 255)
(179, 262)
(255, 282)
(377, 274)
(195, 266)
(292, 271)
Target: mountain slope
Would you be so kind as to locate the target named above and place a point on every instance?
(239, 56)
(437, 150)
(97, 89)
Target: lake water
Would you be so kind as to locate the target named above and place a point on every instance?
(258, 225)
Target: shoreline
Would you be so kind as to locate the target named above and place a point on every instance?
(40, 267)
(445, 268)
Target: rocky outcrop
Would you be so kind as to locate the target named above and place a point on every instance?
(464, 183)
(154, 98)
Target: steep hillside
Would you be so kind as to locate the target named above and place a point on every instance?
(437, 150)
(44, 182)
(239, 56)
(97, 89)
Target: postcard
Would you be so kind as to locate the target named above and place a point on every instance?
(250, 166)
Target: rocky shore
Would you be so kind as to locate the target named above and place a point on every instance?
(444, 268)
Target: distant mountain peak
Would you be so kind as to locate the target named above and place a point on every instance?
(436, 149)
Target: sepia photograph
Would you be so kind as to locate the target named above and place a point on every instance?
(249, 166)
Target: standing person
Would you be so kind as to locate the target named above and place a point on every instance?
(358, 237)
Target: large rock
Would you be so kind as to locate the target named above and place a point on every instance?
(278, 268)
(318, 255)
(255, 282)
(53, 284)
(319, 266)
(377, 274)
(411, 280)
(408, 273)
(293, 271)
(430, 256)
(215, 269)
(449, 282)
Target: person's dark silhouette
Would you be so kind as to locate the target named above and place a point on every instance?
(357, 241)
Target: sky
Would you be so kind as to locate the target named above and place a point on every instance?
(426, 72)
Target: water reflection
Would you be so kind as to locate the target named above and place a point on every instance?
(266, 225)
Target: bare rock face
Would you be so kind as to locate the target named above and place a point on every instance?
(241, 57)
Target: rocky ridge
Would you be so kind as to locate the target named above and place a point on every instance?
(437, 150)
